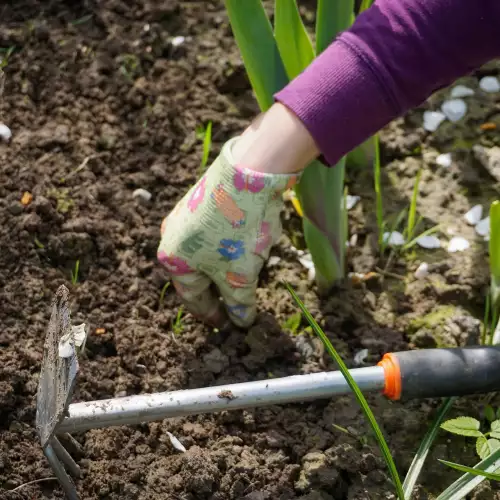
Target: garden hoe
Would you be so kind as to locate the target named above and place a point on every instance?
(402, 375)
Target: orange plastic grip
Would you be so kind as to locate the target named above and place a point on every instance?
(392, 371)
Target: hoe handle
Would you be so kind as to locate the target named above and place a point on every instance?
(430, 373)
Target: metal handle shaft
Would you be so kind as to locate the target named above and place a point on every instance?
(132, 410)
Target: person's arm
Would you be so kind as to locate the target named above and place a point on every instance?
(395, 56)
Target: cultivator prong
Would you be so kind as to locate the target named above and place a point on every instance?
(409, 374)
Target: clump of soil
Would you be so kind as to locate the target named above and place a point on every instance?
(101, 103)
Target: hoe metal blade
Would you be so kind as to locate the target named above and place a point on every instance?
(55, 387)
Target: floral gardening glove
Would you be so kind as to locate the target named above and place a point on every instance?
(221, 233)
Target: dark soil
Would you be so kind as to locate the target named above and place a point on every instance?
(101, 103)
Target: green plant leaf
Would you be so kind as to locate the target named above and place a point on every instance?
(473, 477)
(291, 36)
(463, 426)
(489, 413)
(332, 17)
(423, 450)
(482, 447)
(495, 425)
(357, 393)
(485, 447)
(255, 39)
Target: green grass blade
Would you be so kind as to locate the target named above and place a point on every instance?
(424, 448)
(255, 39)
(378, 191)
(332, 17)
(494, 247)
(291, 36)
(466, 483)
(357, 393)
(410, 228)
(475, 472)
(486, 319)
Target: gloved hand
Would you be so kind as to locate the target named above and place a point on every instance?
(221, 234)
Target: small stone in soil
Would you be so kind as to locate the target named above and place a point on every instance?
(360, 357)
(351, 201)
(176, 443)
(142, 194)
(422, 271)
(444, 160)
(5, 132)
(178, 41)
(273, 261)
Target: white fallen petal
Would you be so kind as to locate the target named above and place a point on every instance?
(79, 334)
(489, 84)
(178, 40)
(66, 350)
(461, 91)
(483, 227)
(354, 240)
(273, 260)
(5, 132)
(176, 443)
(68, 342)
(432, 120)
(454, 109)
(444, 160)
(351, 201)
(428, 241)
(360, 357)
(142, 194)
(395, 238)
(311, 274)
(458, 244)
(422, 271)
(473, 216)
(306, 261)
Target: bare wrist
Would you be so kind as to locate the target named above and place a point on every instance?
(276, 142)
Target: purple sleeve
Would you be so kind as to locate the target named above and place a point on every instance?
(396, 54)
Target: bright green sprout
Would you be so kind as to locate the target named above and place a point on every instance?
(206, 135)
(162, 293)
(177, 324)
(4, 56)
(292, 323)
(74, 273)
